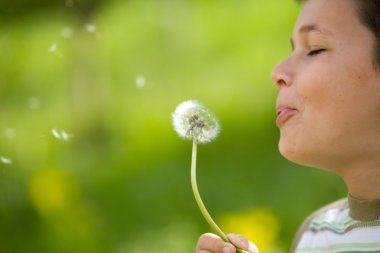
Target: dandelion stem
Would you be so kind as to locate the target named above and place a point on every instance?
(197, 196)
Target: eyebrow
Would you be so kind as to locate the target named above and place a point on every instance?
(307, 29)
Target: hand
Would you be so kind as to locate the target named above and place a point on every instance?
(210, 243)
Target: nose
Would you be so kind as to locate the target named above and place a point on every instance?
(282, 74)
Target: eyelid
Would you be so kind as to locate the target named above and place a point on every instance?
(316, 51)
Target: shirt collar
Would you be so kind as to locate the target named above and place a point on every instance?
(364, 209)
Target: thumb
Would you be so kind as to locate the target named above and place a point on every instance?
(243, 243)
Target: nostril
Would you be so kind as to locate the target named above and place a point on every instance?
(280, 79)
(281, 82)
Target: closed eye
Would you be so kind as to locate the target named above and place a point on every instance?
(315, 52)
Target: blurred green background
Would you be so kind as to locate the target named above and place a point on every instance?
(89, 161)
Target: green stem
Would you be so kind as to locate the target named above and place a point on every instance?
(198, 198)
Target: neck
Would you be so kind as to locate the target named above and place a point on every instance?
(363, 181)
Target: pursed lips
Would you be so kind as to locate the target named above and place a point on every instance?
(284, 113)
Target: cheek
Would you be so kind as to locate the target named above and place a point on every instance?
(327, 102)
(336, 113)
(323, 91)
(307, 135)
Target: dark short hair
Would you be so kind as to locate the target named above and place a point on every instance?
(369, 15)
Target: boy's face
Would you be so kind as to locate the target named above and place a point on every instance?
(328, 103)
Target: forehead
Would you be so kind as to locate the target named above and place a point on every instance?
(334, 15)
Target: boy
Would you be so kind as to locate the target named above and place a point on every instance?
(328, 113)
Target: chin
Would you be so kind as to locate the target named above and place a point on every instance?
(289, 152)
(298, 155)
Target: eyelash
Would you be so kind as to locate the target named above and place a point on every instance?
(315, 52)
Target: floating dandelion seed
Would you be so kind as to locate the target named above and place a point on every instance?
(140, 81)
(67, 32)
(10, 133)
(56, 133)
(33, 103)
(5, 160)
(61, 135)
(90, 27)
(64, 135)
(53, 48)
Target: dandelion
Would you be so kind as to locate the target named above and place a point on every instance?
(140, 82)
(192, 121)
(5, 160)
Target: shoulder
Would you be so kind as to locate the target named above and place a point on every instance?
(320, 213)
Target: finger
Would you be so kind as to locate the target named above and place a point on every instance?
(242, 243)
(253, 248)
(204, 251)
(239, 241)
(214, 244)
(209, 242)
(229, 248)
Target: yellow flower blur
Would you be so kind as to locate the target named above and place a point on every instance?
(50, 190)
(259, 225)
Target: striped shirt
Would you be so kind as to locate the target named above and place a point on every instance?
(348, 225)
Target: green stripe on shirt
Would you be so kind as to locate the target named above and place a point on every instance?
(365, 246)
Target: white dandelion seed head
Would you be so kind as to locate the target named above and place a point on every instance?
(192, 121)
